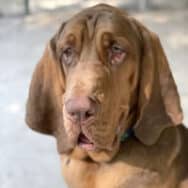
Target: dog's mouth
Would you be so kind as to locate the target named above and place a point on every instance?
(85, 143)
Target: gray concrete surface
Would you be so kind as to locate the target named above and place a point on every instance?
(9, 7)
(28, 159)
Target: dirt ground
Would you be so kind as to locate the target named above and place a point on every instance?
(28, 159)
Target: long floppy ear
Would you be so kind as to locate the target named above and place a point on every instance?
(159, 103)
(45, 101)
(42, 102)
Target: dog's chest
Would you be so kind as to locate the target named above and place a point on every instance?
(127, 176)
(79, 174)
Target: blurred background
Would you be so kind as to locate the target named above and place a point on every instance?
(28, 159)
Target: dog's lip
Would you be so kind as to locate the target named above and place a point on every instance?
(85, 143)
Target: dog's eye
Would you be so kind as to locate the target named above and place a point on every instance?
(67, 55)
(117, 54)
(116, 49)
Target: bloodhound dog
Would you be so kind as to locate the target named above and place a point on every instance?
(103, 88)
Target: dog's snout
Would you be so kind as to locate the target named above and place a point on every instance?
(81, 109)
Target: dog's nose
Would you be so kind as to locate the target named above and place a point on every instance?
(81, 109)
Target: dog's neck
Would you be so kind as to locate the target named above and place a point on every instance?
(127, 134)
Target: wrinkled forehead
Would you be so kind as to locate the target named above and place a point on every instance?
(92, 22)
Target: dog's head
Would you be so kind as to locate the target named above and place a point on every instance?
(102, 73)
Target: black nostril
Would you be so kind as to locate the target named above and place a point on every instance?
(80, 108)
(75, 115)
(88, 114)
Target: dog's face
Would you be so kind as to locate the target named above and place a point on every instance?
(96, 61)
(99, 73)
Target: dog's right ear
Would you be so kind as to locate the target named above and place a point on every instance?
(44, 104)
(43, 113)
(45, 101)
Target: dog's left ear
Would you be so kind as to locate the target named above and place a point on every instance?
(159, 102)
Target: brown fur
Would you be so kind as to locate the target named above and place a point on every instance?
(138, 92)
